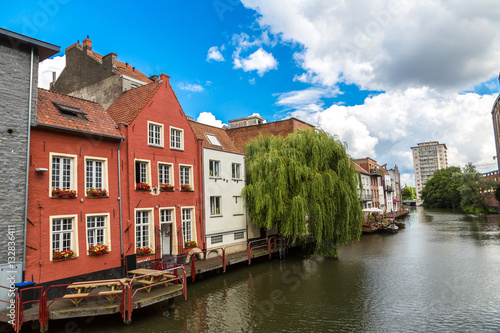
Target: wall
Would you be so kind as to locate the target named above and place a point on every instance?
(103, 92)
(42, 207)
(14, 91)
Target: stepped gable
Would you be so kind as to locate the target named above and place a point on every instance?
(89, 117)
(131, 102)
(200, 130)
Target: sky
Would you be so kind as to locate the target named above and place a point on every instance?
(380, 75)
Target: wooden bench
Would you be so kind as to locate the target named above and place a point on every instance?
(110, 294)
(76, 298)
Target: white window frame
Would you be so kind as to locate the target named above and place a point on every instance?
(192, 236)
(148, 171)
(214, 169)
(170, 173)
(74, 233)
(172, 215)
(233, 171)
(181, 175)
(213, 139)
(104, 175)
(155, 134)
(173, 143)
(73, 172)
(150, 232)
(106, 228)
(215, 202)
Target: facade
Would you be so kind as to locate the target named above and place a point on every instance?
(161, 174)
(73, 189)
(19, 58)
(94, 77)
(376, 181)
(427, 158)
(365, 196)
(396, 184)
(223, 181)
(495, 114)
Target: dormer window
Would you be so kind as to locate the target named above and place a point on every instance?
(213, 140)
(70, 111)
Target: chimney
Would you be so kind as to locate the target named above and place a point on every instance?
(165, 77)
(109, 61)
(53, 80)
(87, 44)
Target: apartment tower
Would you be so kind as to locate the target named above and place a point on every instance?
(427, 158)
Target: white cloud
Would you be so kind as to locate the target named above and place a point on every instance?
(385, 45)
(214, 54)
(209, 119)
(260, 61)
(190, 87)
(46, 68)
(387, 125)
(308, 99)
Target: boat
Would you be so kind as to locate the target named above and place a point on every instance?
(368, 229)
(389, 229)
(400, 224)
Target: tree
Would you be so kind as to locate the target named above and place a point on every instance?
(441, 190)
(472, 188)
(409, 193)
(304, 184)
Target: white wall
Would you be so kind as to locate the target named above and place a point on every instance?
(232, 217)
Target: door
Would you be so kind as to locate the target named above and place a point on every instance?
(166, 234)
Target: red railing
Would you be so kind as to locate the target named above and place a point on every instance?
(270, 243)
(20, 306)
(194, 259)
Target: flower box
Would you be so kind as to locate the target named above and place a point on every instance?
(190, 244)
(97, 193)
(98, 249)
(166, 188)
(143, 187)
(63, 255)
(143, 251)
(63, 194)
(186, 188)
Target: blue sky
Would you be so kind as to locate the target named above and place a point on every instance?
(382, 75)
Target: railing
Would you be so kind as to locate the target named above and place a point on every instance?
(269, 241)
(194, 259)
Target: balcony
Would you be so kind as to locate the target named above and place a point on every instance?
(390, 188)
(367, 197)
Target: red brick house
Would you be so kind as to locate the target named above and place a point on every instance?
(161, 173)
(74, 147)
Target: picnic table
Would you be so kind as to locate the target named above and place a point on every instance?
(81, 290)
(151, 276)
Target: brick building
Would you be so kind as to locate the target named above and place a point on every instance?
(376, 180)
(19, 58)
(73, 189)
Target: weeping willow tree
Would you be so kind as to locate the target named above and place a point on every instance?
(305, 185)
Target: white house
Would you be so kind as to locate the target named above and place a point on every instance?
(223, 170)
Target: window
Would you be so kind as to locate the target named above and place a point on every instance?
(213, 140)
(166, 215)
(214, 168)
(239, 235)
(155, 137)
(216, 239)
(215, 203)
(142, 172)
(236, 171)
(96, 230)
(185, 175)
(176, 141)
(63, 172)
(94, 175)
(70, 111)
(63, 234)
(164, 172)
(142, 228)
(186, 224)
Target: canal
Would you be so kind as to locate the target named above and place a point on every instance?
(440, 274)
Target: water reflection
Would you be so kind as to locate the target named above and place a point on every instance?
(441, 273)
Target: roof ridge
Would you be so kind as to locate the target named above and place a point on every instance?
(202, 124)
(66, 95)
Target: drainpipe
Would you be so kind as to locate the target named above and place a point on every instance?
(203, 200)
(27, 164)
(120, 201)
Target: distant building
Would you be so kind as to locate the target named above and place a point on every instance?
(495, 113)
(427, 158)
(97, 78)
(365, 196)
(376, 181)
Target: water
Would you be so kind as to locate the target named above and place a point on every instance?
(440, 274)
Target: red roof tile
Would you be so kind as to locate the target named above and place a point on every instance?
(200, 130)
(97, 120)
(360, 169)
(131, 102)
(124, 69)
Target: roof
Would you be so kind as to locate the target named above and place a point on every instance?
(97, 121)
(360, 169)
(242, 135)
(123, 68)
(131, 102)
(45, 50)
(201, 131)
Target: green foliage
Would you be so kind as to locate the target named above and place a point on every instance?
(305, 185)
(497, 193)
(472, 187)
(409, 193)
(441, 190)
